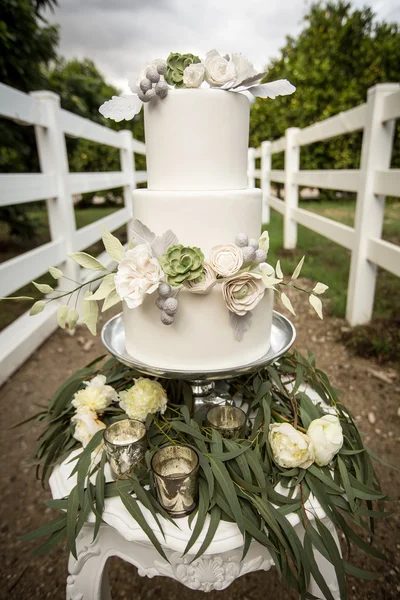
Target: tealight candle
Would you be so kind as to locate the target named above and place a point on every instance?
(227, 420)
(175, 472)
(125, 444)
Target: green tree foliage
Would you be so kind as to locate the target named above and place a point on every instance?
(340, 53)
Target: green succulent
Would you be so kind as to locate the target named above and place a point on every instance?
(182, 263)
(176, 64)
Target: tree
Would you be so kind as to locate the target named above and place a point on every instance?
(340, 53)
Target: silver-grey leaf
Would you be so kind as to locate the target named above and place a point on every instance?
(240, 324)
(253, 79)
(162, 242)
(141, 233)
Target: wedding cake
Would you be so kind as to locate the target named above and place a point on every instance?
(193, 286)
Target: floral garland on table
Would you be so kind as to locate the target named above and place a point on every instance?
(292, 447)
(232, 72)
(160, 265)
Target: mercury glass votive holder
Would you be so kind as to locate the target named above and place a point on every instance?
(125, 443)
(175, 472)
(227, 420)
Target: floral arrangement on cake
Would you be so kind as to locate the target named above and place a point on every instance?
(293, 454)
(232, 72)
(163, 267)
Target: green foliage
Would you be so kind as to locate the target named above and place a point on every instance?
(238, 478)
(340, 53)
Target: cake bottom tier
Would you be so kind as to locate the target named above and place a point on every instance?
(201, 337)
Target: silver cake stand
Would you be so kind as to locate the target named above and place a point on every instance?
(205, 390)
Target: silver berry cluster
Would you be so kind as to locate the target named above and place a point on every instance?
(251, 251)
(166, 303)
(152, 85)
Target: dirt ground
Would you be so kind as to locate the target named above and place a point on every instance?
(371, 392)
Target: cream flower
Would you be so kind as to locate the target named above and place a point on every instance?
(145, 397)
(193, 75)
(244, 68)
(86, 424)
(139, 273)
(96, 396)
(226, 259)
(290, 447)
(243, 292)
(207, 283)
(326, 436)
(219, 70)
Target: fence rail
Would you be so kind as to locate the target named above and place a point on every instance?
(372, 182)
(57, 185)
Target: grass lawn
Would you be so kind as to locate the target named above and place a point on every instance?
(325, 261)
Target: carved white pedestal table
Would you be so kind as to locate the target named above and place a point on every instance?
(121, 536)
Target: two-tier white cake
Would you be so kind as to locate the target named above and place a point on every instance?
(196, 146)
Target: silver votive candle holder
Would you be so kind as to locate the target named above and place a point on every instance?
(125, 444)
(175, 472)
(227, 420)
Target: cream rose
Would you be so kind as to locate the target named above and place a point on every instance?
(193, 75)
(139, 273)
(326, 436)
(86, 424)
(219, 70)
(96, 396)
(144, 397)
(243, 292)
(226, 259)
(290, 447)
(207, 283)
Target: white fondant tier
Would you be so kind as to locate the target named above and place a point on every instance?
(203, 219)
(200, 338)
(197, 140)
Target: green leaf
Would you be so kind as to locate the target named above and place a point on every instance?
(55, 273)
(104, 289)
(17, 298)
(112, 245)
(222, 476)
(364, 492)
(111, 300)
(43, 287)
(297, 270)
(326, 479)
(204, 501)
(37, 307)
(183, 428)
(73, 318)
(55, 525)
(87, 262)
(335, 556)
(62, 315)
(356, 572)
(72, 513)
(52, 541)
(316, 573)
(346, 483)
(143, 497)
(90, 313)
(215, 517)
(224, 456)
(133, 508)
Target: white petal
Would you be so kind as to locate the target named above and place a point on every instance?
(281, 87)
(316, 304)
(286, 302)
(297, 270)
(121, 107)
(279, 270)
(320, 288)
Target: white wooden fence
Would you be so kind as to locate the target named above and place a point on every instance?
(372, 182)
(55, 184)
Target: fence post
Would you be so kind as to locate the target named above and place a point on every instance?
(53, 158)
(265, 179)
(128, 168)
(292, 162)
(251, 167)
(375, 155)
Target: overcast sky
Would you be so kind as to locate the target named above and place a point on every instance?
(121, 35)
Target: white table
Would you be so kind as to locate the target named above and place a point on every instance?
(121, 536)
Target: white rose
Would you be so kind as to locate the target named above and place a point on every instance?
(204, 286)
(86, 424)
(226, 259)
(219, 70)
(139, 273)
(96, 396)
(326, 436)
(242, 293)
(146, 396)
(193, 75)
(290, 447)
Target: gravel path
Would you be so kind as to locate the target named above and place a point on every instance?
(371, 392)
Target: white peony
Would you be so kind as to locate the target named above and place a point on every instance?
(144, 397)
(226, 259)
(139, 273)
(219, 70)
(96, 396)
(193, 75)
(86, 424)
(290, 447)
(326, 436)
